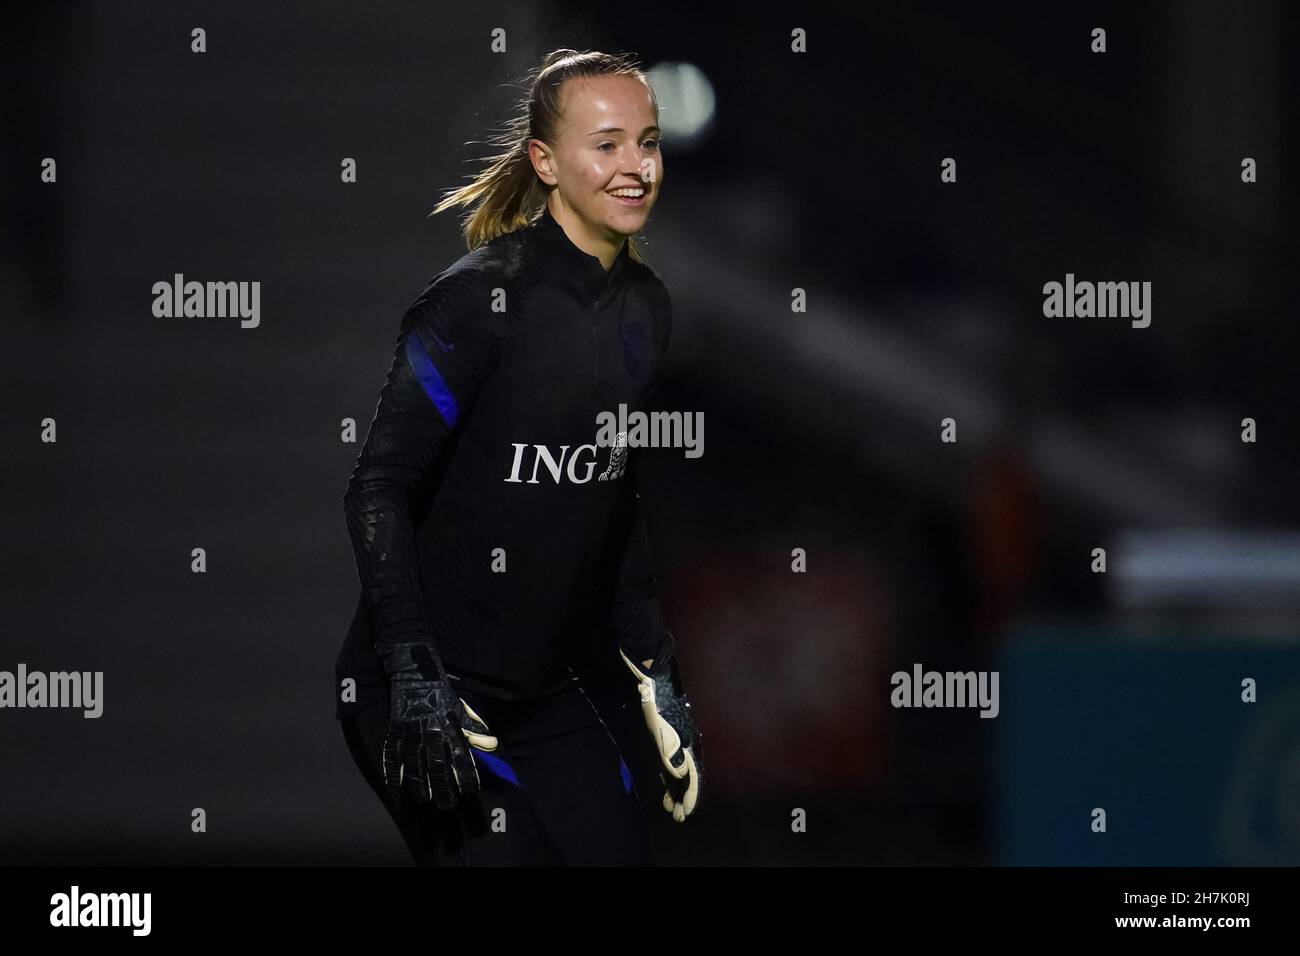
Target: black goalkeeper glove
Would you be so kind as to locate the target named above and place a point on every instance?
(426, 752)
(667, 714)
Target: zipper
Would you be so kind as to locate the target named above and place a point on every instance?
(595, 346)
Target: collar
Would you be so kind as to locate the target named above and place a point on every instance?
(577, 270)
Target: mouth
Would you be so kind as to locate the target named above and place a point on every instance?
(630, 195)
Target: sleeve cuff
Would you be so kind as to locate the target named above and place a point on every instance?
(639, 628)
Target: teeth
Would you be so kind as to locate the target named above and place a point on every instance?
(629, 193)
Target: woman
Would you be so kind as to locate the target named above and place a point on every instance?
(497, 543)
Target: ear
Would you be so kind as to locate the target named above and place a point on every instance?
(543, 160)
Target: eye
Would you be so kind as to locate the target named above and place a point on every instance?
(603, 145)
(654, 143)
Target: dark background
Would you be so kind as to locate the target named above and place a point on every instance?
(820, 171)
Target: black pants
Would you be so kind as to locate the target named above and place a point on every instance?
(555, 791)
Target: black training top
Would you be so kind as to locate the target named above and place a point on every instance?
(483, 515)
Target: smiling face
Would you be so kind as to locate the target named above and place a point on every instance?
(607, 141)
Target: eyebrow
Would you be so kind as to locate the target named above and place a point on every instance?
(619, 129)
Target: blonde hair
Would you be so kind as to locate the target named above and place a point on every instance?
(506, 194)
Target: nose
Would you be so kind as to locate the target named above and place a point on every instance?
(647, 169)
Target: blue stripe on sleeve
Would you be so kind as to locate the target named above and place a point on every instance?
(496, 765)
(432, 381)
